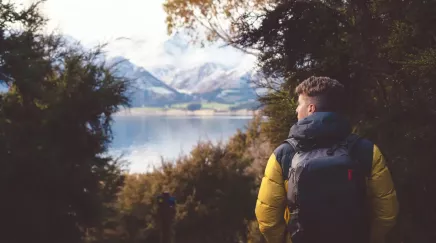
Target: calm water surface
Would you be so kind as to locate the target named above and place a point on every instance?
(143, 140)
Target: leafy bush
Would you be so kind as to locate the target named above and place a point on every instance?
(194, 107)
(55, 123)
(215, 188)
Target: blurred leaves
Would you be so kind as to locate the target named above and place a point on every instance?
(215, 188)
(55, 123)
(384, 53)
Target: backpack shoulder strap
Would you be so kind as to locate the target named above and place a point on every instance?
(293, 143)
(284, 155)
(362, 150)
(351, 141)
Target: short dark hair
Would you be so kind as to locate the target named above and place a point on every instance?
(327, 93)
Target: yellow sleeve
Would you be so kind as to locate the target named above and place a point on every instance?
(383, 198)
(270, 205)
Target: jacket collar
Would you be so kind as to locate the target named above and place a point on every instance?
(320, 128)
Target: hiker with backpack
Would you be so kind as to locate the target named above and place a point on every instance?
(325, 184)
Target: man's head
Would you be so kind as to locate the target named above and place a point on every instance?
(318, 94)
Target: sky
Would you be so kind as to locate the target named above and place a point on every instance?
(99, 20)
(134, 29)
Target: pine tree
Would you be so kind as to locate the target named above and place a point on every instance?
(384, 53)
(56, 179)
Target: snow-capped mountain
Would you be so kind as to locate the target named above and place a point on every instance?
(198, 79)
(176, 46)
(182, 74)
(145, 89)
(204, 78)
(175, 71)
(166, 73)
(211, 81)
(177, 50)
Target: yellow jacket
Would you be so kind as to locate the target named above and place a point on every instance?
(273, 216)
(271, 201)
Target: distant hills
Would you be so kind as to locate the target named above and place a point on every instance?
(208, 83)
(171, 83)
(177, 72)
(183, 74)
(146, 89)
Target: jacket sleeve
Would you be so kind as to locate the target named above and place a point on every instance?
(383, 198)
(270, 205)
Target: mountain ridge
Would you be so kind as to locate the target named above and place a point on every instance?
(181, 73)
(168, 85)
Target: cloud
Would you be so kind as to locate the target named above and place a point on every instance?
(103, 20)
(134, 29)
(176, 51)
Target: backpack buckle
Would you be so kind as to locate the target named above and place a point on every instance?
(332, 149)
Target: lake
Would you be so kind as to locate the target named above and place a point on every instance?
(142, 139)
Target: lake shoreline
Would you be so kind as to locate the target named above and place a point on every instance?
(143, 140)
(181, 112)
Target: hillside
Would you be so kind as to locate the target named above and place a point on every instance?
(167, 85)
(181, 73)
(146, 89)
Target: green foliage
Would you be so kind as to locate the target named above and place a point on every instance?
(384, 53)
(204, 105)
(250, 105)
(56, 180)
(193, 107)
(280, 110)
(215, 187)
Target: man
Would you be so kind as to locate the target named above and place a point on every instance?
(320, 125)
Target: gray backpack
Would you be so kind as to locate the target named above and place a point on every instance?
(326, 194)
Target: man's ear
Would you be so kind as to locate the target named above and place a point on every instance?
(312, 108)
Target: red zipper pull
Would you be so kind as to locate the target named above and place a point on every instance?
(350, 174)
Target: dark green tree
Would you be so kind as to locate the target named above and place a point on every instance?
(215, 191)
(193, 107)
(56, 180)
(385, 54)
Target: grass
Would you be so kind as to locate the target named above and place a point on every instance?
(183, 106)
(149, 108)
(212, 105)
